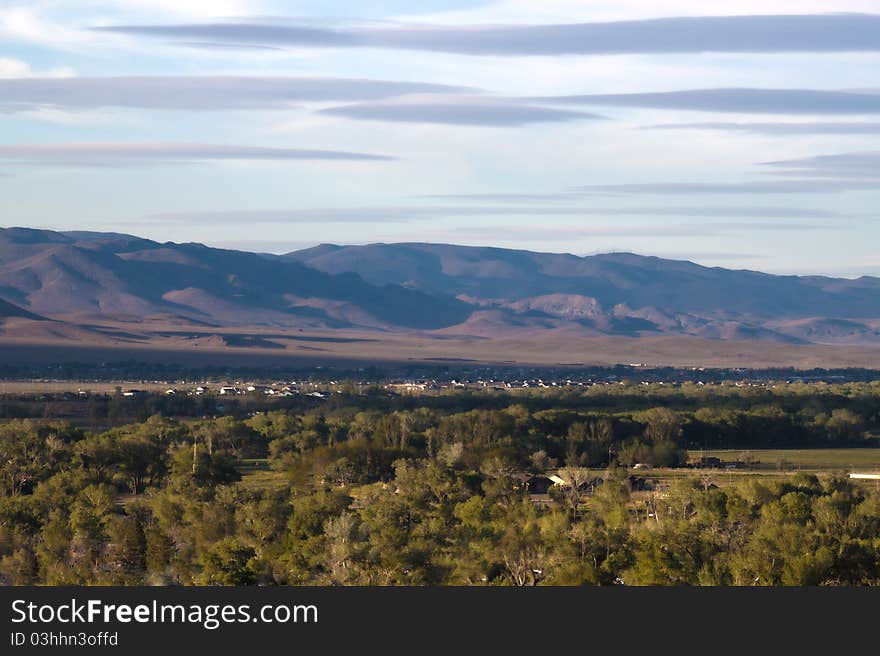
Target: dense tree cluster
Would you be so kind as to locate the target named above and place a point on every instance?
(367, 490)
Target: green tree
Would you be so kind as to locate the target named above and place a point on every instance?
(229, 562)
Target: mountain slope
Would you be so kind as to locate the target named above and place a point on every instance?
(10, 311)
(450, 290)
(613, 279)
(619, 293)
(56, 273)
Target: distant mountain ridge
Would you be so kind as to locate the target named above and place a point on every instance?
(53, 273)
(612, 279)
(440, 288)
(619, 293)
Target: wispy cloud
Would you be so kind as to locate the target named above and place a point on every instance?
(199, 92)
(550, 232)
(183, 8)
(11, 68)
(846, 165)
(507, 197)
(395, 214)
(807, 186)
(552, 11)
(561, 201)
(203, 45)
(787, 33)
(113, 154)
(777, 129)
(739, 101)
(58, 25)
(457, 111)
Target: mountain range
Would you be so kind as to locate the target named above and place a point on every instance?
(77, 278)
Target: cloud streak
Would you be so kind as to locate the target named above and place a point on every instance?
(199, 92)
(846, 165)
(807, 186)
(777, 129)
(151, 153)
(457, 111)
(738, 101)
(746, 34)
(675, 230)
(404, 214)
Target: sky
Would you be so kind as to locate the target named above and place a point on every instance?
(732, 133)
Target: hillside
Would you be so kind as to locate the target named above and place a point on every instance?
(73, 274)
(619, 293)
(9, 311)
(443, 291)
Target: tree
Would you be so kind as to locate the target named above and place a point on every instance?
(345, 547)
(845, 426)
(97, 454)
(662, 425)
(28, 453)
(126, 550)
(140, 458)
(499, 483)
(574, 489)
(195, 465)
(229, 434)
(520, 547)
(229, 562)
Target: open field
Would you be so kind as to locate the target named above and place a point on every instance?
(273, 347)
(31, 387)
(771, 463)
(774, 463)
(723, 478)
(812, 460)
(255, 480)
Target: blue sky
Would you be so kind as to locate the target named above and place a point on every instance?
(727, 133)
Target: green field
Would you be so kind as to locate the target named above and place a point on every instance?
(766, 463)
(817, 460)
(262, 481)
